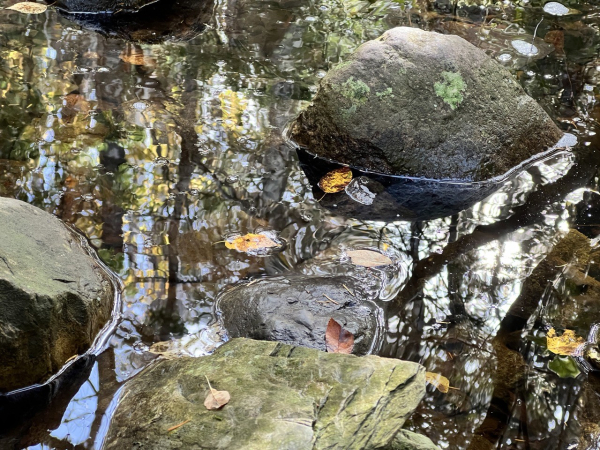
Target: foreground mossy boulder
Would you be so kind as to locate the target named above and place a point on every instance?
(282, 397)
(422, 104)
(54, 297)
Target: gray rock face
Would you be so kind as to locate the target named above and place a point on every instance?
(296, 309)
(282, 398)
(422, 104)
(54, 298)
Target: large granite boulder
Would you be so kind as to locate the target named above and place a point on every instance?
(295, 310)
(282, 398)
(54, 297)
(422, 104)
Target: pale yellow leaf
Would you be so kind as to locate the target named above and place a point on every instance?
(28, 8)
(216, 399)
(565, 345)
(441, 383)
(368, 258)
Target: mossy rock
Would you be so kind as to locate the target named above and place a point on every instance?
(421, 104)
(282, 397)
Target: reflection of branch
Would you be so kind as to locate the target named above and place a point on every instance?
(511, 368)
(529, 213)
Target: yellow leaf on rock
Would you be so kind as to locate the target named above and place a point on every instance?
(28, 8)
(441, 383)
(368, 258)
(251, 242)
(565, 345)
(336, 180)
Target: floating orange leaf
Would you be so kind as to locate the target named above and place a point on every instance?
(336, 180)
(251, 242)
(337, 339)
(368, 258)
(438, 381)
(28, 8)
(216, 399)
(565, 345)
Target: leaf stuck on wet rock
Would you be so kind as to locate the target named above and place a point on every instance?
(216, 399)
(337, 339)
(336, 180)
(28, 8)
(438, 381)
(250, 243)
(565, 345)
(368, 258)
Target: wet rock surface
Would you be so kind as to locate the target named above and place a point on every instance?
(422, 104)
(155, 23)
(101, 6)
(407, 440)
(54, 297)
(282, 397)
(296, 309)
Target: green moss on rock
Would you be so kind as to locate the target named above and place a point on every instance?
(450, 90)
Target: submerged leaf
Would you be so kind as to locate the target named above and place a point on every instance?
(441, 383)
(336, 180)
(337, 339)
(368, 258)
(564, 367)
(135, 57)
(28, 8)
(565, 345)
(216, 399)
(251, 242)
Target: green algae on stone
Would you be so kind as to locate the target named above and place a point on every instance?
(282, 397)
(386, 93)
(356, 91)
(450, 90)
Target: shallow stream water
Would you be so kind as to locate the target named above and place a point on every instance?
(159, 151)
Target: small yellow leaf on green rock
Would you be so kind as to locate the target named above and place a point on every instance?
(28, 8)
(565, 345)
(336, 180)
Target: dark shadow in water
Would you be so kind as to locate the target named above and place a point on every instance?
(155, 23)
(372, 196)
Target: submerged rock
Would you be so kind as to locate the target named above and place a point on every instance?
(296, 309)
(282, 397)
(54, 297)
(422, 104)
(407, 440)
(158, 21)
(101, 6)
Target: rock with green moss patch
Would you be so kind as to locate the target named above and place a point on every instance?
(54, 297)
(282, 397)
(423, 104)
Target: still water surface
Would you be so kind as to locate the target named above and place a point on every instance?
(158, 151)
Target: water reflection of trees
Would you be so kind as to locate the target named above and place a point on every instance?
(157, 161)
